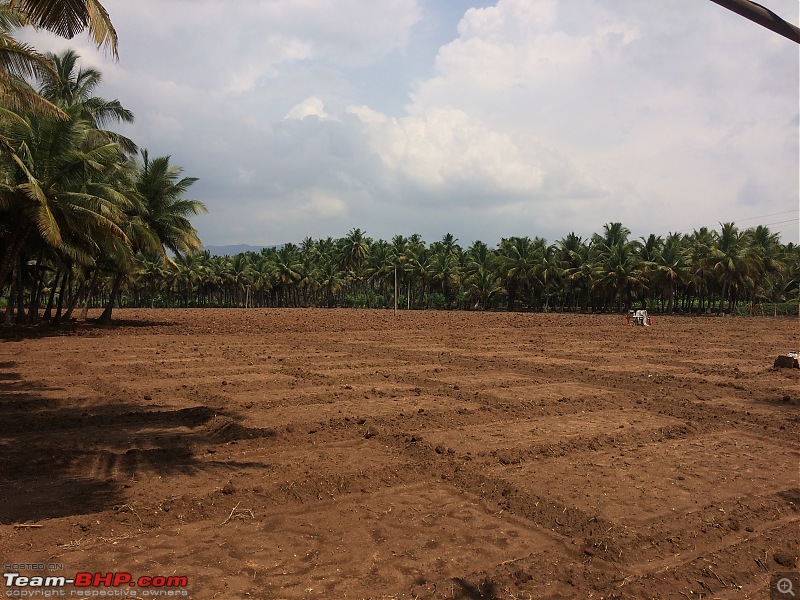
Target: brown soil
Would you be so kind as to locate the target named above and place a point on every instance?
(358, 454)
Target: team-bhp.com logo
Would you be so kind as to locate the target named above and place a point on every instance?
(93, 585)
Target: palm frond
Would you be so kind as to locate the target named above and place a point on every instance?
(67, 18)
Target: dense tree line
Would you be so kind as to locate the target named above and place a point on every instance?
(78, 201)
(705, 271)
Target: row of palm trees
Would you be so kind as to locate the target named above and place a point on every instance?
(78, 201)
(706, 270)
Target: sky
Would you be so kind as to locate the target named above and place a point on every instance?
(309, 118)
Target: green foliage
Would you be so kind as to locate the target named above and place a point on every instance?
(78, 209)
(768, 309)
(367, 300)
(436, 301)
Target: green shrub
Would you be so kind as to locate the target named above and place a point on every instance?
(437, 301)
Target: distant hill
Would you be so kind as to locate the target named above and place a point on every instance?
(236, 249)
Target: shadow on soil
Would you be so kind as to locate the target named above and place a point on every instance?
(58, 460)
(485, 590)
(46, 329)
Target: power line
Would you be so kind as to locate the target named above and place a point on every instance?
(786, 212)
(738, 220)
(781, 222)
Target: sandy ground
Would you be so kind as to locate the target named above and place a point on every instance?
(359, 454)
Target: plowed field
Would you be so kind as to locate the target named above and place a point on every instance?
(358, 454)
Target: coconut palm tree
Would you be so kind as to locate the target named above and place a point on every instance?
(790, 287)
(614, 234)
(354, 248)
(331, 280)
(415, 266)
(478, 255)
(72, 88)
(399, 252)
(160, 215)
(449, 245)
(443, 269)
(288, 272)
(649, 249)
(67, 84)
(149, 276)
(189, 271)
(671, 268)
(167, 210)
(263, 274)
(62, 185)
(240, 272)
(735, 262)
(573, 254)
(617, 266)
(548, 273)
(308, 284)
(381, 266)
(766, 245)
(482, 285)
(95, 168)
(518, 259)
(699, 256)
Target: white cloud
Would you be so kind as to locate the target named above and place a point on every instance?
(245, 175)
(444, 148)
(312, 106)
(535, 117)
(667, 136)
(237, 42)
(320, 203)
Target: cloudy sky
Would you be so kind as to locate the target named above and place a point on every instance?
(481, 119)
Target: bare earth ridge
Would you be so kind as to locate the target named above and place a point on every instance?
(358, 454)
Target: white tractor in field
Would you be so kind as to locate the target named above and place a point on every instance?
(639, 317)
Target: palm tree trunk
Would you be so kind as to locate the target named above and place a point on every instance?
(73, 301)
(105, 318)
(12, 253)
(61, 292)
(85, 311)
(12, 293)
(33, 310)
(670, 305)
(722, 296)
(48, 312)
(20, 293)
